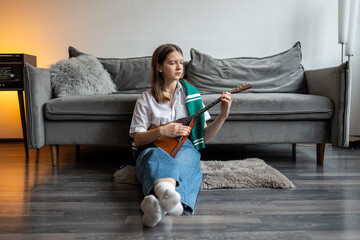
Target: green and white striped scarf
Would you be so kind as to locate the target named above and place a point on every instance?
(193, 104)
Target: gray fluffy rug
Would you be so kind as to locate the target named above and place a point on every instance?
(250, 172)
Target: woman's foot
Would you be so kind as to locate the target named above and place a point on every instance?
(169, 199)
(170, 203)
(152, 211)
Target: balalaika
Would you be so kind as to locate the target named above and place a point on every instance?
(172, 145)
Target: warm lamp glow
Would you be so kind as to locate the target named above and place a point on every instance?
(10, 122)
(18, 40)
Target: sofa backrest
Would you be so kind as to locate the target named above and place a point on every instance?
(282, 72)
(131, 75)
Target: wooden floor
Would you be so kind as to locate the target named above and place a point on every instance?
(79, 200)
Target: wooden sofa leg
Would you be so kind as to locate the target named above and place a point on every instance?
(320, 152)
(294, 151)
(54, 155)
(77, 151)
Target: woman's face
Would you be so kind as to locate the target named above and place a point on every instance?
(172, 67)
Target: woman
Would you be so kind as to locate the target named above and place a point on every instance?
(170, 185)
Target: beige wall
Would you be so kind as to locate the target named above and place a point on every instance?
(129, 28)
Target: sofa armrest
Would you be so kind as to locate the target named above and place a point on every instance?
(37, 93)
(334, 83)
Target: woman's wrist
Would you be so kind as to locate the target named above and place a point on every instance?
(147, 137)
(160, 131)
(223, 116)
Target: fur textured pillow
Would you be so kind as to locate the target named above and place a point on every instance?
(82, 75)
(130, 75)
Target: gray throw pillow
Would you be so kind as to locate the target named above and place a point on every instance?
(131, 75)
(83, 75)
(278, 73)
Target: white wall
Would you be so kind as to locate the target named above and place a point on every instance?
(130, 28)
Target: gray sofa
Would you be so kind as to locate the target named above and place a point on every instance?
(286, 105)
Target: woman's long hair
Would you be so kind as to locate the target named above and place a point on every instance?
(157, 80)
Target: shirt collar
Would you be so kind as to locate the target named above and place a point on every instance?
(180, 89)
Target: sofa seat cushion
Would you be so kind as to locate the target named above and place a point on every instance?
(91, 108)
(245, 106)
(274, 106)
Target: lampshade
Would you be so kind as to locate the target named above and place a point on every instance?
(343, 20)
(353, 20)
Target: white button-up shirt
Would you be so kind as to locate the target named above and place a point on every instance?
(148, 113)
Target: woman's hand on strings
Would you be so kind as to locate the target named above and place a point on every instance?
(225, 104)
(175, 130)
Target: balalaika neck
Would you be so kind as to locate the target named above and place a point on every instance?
(239, 88)
(201, 111)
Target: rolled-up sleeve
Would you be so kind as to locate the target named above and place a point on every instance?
(141, 118)
(206, 114)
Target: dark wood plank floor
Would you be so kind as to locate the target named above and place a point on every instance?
(79, 200)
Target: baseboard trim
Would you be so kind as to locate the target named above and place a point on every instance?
(5, 140)
(354, 142)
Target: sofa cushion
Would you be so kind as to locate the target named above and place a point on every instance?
(131, 75)
(247, 106)
(274, 106)
(82, 75)
(89, 108)
(278, 73)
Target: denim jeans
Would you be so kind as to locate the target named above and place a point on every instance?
(154, 163)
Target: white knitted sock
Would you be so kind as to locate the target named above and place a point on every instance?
(169, 198)
(152, 211)
(161, 187)
(177, 210)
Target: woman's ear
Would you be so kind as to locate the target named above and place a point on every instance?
(159, 68)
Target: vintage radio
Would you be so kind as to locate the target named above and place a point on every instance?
(12, 70)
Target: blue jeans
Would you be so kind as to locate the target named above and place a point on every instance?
(154, 163)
